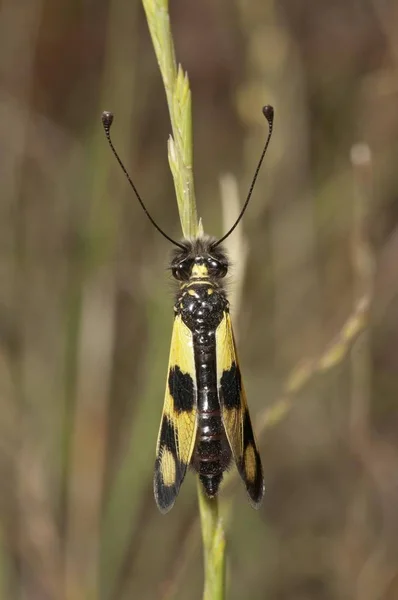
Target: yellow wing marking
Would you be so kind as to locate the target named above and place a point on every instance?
(250, 463)
(176, 439)
(235, 412)
(183, 421)
(168, 467)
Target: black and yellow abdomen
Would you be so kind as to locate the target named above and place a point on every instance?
(213, 455)
(202, 307)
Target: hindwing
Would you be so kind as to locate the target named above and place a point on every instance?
(177, 432)
(235, 413)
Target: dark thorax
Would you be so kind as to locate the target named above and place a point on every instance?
(200, 269)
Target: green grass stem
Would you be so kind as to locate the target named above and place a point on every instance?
(178, 96)
(180, 153)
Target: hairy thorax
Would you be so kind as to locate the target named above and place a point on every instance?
(201, 305)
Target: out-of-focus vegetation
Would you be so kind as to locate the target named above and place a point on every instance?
(86, 303)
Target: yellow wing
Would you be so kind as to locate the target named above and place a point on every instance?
(235, 413)
(177, 432)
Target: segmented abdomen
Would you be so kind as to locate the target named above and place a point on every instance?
(212, 454)
(202, 307)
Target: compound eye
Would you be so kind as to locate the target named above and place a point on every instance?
(222, 269)
(213, 264)
(217, 268)
(182, 270)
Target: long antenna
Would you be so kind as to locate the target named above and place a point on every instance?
(268, 113)
(107, 120)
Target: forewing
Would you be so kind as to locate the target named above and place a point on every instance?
(177, 432)
(235, 413)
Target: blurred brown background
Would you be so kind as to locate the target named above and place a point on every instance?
(86, 303)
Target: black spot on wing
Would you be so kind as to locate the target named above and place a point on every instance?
(167, 437)
(181, 389)
(255, 488)
(248, 436)
(230, 387)
(165, 495)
